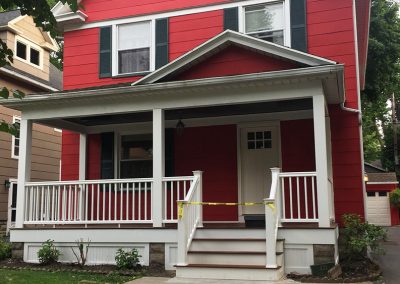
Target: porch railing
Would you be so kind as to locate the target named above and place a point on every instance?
(89, 202)
(174, 188)
(189, 217)
(299, 197)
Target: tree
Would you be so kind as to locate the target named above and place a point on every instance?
(40, 10)
(382, 78)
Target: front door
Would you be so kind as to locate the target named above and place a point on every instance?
(259, 153)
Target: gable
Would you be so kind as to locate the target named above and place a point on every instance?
(29, 30)
(233, 60)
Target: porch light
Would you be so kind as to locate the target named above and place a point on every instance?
(179, 127)
(365, 178)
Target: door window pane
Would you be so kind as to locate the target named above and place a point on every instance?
(136, 156)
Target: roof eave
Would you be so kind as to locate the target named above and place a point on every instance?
(320, 72)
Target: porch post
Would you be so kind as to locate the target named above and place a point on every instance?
(321, 160)
(82, 156)
(24, 168)
(158, 166)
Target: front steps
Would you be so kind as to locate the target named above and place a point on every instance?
(237, 254)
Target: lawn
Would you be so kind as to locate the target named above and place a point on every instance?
(41, 277)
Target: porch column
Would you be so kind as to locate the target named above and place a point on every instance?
(82, 156)
(158, 166)
(24, 168)
(321, 160)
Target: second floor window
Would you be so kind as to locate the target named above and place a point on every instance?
(266, 22)
(133, 45)
(28, 53)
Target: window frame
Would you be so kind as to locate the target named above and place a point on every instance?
(13, 139)
(29, 45)
(115, 50)
(286, 19)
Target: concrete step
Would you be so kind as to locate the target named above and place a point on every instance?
(229, 272)
(230, 258)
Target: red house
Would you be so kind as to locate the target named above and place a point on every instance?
(221, 136)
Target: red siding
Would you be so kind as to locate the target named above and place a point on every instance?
(98, 10)
(81, 61)
(297, 145)
(212, 150)
(187, 32)
(235, 60)
(70, 156)
(331, 35)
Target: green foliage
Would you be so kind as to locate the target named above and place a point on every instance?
(382, 78)
(127, 259)
(5, 249)
(83, 248)
(48, 254)
(360, 236)
(394, 197)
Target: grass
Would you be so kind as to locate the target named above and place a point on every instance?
(40, 277)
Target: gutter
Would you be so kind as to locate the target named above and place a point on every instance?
(27, 79)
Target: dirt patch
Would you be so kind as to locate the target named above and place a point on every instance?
(153, 270)
(352, 271)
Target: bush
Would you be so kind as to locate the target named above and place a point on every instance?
(360, 236)
(48, 253)
(127, 259)
(5, 249)
(394, 197)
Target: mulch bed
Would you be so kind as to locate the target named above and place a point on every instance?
(153, 270)
(352, 272)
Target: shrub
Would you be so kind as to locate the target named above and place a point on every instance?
(48, 253)
(360, 236)
(127, 259)
(83, 248)
(394, 197)
(5, 249)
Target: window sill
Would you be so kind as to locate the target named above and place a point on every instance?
(144, 73)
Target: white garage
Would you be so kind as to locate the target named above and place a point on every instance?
(378, 205)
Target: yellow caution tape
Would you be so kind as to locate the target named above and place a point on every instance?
(181, 203)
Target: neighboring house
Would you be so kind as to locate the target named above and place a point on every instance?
(379, 183)
(30, 72)
(227, 89)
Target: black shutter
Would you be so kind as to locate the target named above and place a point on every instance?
(231, 19)
(169, 152)
(161, 42)
(105, 52)
(107, 155)
(298, 24)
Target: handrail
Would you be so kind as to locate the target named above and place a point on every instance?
(189, 217)
(272, 206)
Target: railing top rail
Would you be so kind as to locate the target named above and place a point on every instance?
(191, 191)
(79, 182)
(184, 178)
(298, 174)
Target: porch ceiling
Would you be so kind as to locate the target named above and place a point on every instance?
(202, 112)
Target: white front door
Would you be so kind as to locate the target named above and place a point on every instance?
(259, 153)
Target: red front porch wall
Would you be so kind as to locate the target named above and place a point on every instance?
(331, 34)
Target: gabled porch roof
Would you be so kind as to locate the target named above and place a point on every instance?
(221, 41)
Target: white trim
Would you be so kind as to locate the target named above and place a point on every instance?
(13, 138)
(29, 45)
(169, 14)
(386, 182)
(237, 38)
(82, 156)
(28, 80)
(114, 43)
(243, 125)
